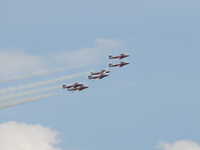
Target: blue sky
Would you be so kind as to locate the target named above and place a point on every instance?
(152, 103)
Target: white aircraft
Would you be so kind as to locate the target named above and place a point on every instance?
(75, 87)
(79, 88)
(121, 56)
(102, 75)
(100, 72)
(119, 64)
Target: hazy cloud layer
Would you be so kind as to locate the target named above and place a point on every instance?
(179, 145)
(87, 55)
(16, 62)
(109, 43)
(22, 136)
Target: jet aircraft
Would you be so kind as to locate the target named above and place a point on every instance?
(102, 75)
(121, 56)
(100, 72)
(118, 65)
(72, 86)
(77, 88)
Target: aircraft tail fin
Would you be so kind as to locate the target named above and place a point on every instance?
(91, 71)
(89, 76)
(64, 86)
(110, 56)
(109, 64)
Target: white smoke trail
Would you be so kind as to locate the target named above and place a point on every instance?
(13, 89)
(29, 93)
(40, 73)
(22, 101)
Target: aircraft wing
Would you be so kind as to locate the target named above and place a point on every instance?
(117, 67)
(75, 90)
(96, 79)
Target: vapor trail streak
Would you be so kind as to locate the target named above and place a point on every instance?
(40, 73)
(13, 89)
(22, 101)
(29, 93)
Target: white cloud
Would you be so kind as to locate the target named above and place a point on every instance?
(22, 136)
(179, 145)
(17, 62)
(87, 55)
(109, 43)
(13, 62)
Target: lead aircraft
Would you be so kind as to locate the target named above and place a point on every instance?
(119, 64)
(121, 56)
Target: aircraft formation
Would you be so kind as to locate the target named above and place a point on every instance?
(97, 75)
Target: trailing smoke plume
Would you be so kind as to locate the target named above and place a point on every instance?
(40, 83)
(29, 93)
(40, 73)
(24, 100)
